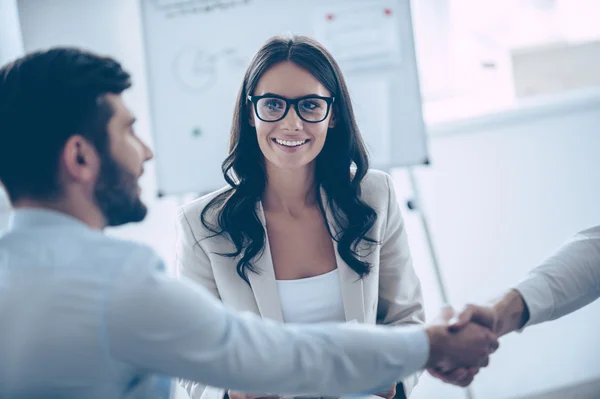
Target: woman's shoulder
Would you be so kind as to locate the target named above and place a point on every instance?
(375, 187)
(192, 211)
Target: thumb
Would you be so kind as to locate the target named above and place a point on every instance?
(446, 313)
(485, 317)
(462, 319)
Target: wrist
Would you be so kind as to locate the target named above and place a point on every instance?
(512, 313)
(437, 337)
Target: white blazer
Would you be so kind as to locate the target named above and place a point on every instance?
(390, 294)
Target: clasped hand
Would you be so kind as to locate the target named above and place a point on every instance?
(466, 342)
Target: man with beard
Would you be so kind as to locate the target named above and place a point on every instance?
(88, 316)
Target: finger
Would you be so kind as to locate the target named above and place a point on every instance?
(439, 375)
(460, 377)
(494, 346)
(492, 340)
(458, 374)
(454, 375)
(483, 316)
(473, 371)
(387, 394)
(461, 320)
(447, 313)
(484, 361)
(465, 382)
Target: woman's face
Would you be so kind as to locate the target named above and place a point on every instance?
(291, 142)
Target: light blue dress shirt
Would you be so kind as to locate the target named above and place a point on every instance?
(83, 315)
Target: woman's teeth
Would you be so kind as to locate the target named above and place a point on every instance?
(289, 143)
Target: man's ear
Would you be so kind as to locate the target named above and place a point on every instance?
(80, 160)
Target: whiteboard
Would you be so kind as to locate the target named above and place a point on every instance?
(11, 47)
(197, 52)
(11, 40)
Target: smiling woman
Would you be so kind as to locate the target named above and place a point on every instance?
(301, 131)
(304, 233)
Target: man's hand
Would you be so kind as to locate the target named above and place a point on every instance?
(241, 395)
(462, 377)
(389, 394)
(485, 316)
(506, 315)
(457, 355)
(468, 347)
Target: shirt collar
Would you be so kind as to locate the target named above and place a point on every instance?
(23, 218)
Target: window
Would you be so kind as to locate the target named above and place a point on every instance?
(484, 56)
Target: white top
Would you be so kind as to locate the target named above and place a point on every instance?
(566, 281)
(312, 300)
(83, 315)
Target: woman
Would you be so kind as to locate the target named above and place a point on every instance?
(304, 233)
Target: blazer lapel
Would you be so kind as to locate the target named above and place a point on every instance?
(351, 283)
(264, 285)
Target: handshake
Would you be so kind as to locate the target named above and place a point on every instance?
(460, 345)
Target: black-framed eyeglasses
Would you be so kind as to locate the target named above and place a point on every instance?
(273, 108)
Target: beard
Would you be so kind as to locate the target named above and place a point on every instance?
(116, 194)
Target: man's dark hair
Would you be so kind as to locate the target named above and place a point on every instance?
(45, 98)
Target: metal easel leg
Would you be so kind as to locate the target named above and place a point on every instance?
(415, 205)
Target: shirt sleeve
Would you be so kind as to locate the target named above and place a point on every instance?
(177, 328)
(566, 281)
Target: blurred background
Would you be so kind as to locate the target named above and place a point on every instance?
(487, 111)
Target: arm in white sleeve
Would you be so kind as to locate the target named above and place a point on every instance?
(174, 327)
(566, 281)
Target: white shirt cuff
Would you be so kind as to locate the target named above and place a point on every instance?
(418, 347)
(538, 298)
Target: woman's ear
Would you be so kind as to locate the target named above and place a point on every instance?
(250, 110)
(332, 120)
(251, 117)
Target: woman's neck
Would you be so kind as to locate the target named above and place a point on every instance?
(290, 190)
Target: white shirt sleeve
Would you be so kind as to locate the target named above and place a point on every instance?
(176, 328)
(566, 281)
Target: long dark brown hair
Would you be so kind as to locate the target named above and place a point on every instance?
(244, 167)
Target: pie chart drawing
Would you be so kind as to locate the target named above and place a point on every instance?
(199, 69)
(195, 68)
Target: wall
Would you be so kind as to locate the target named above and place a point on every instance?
(11, 46)
(109, 27)
(4, 211)
(499, 197)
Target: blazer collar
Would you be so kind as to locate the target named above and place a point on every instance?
(264, 284)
